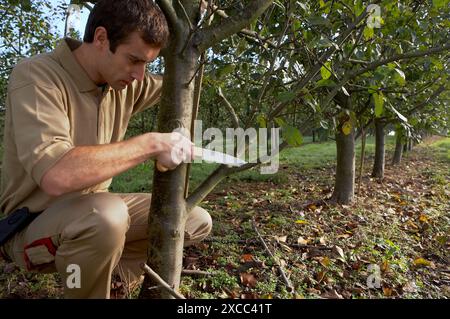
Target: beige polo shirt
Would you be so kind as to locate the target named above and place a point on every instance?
(53, 106)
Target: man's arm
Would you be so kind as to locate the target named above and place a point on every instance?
(84, 166)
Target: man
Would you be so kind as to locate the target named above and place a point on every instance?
(67, 113)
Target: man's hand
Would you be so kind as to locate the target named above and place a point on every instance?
(174, 148)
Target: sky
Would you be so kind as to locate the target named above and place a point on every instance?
(77, 20)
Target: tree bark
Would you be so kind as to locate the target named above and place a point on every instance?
(344, 187)
(378, 165)
(398, 149)
(168, 211)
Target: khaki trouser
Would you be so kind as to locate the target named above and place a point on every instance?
(99, 233)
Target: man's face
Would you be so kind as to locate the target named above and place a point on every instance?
(128, 63)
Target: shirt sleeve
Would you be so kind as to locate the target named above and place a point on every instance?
(148, 92)
(41, 128)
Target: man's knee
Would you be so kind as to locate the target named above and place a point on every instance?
(198, 225)
(110, 218)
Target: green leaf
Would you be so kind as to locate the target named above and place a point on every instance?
(324, 71)
(359, 8)
(368, 33)
(292, 135)
(286, 96)
(400, 77)
(378, 100)
(241, 47)
(372, 89)
(440, 3)
(323, 82)
(347, 128)
(303, 6)
(318, 20)
(261, 119)
(399, 115)
(281, 122)
(227, 69)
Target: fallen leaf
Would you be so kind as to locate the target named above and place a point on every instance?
(387, 292)
(384, 266)
(324, 261)
(320, 276)
(331, 294)
(423, 262)
(423, 218)
(322, 240)
(247, 258)
(338, 252)
(345, 236)
(281, 239)
(301, 222)
(302, 241)
(248, 279)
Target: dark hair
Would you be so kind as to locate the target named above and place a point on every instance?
(122, 17)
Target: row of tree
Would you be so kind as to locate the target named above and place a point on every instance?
(348, 67)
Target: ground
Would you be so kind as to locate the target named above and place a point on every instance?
(392, 242)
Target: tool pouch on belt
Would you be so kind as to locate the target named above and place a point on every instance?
(14, 223)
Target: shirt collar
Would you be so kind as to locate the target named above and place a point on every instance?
(64, 54)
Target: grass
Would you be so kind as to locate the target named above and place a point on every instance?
(398, 220)
(442, 149)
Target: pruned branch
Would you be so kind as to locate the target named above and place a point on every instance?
(208, 36)
(161, 282)
(280, 267)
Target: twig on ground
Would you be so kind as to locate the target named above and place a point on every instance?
(161, 282)
(286, 280)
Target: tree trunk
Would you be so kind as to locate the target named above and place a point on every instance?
(398, 149)
(344, 187)
(168, 213)
(378, 165)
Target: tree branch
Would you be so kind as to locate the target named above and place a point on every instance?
(230, 109)
(376, 64)
(206, 187)
(290, 287)
(170, 13)
(161, 282)
(208, 36)
(217, 176)
(428, 100)
(316, 68)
